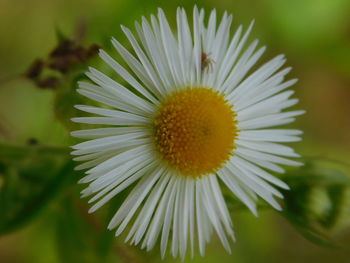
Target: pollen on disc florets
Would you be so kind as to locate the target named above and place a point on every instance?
(195, 131)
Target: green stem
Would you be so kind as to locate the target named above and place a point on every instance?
(14, 151)
(328, 159)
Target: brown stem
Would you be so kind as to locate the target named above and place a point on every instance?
(128, 254)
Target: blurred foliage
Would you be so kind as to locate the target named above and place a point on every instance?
(31, 176)
(318, 201)
(36, 178)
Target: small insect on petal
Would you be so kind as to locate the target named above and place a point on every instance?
(206, 62)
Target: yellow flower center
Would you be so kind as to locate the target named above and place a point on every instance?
(195, 131)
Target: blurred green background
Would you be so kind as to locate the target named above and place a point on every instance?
(314, 35)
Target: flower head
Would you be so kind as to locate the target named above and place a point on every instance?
(188, 117)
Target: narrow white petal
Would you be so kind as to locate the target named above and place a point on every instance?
(251, 179)
(110, 113)
(192, 212)
(143, 220)
(186, 216)
(185, 47)
(102, 95)
(137, 68)
(119, 159)
(92, 156)
(268, 147)
(118, 90)
(118, 172)
(197, 51)
(220, 203)
(156, 51)
(175, 221)
(263, 190)
(105, 141)
(211, 213)
(144, 60)
(230, 60)
(269, 106)
(269, 120)
(168, 219)
(245, 62)
(267, 157)
(270, 135)
(209, 37)
(261, 173)
(262, 163)
(133, 201)
(95, 161)
(102, 132)
(170, 47)
(256, 78)
(113, 146)
(200, 218)
(126, 76)
(158, 218)
(229, 179)
(216, 48)
(118, 185)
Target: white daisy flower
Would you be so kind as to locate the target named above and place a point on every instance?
(189, 117)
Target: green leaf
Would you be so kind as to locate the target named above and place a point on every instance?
(317, 199)
(32, 177)
(308, 231)
(84, 237)
(76, 238)
(60, 36)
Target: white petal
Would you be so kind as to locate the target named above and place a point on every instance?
(256, 78)
(211, 213)
(269, 120)
(271, 135)
(197, 48)
(102, 132)
(120, 158)
(158, 218)
(133, 201)
(230, 181)
(143, 220)
(220, 203)
(101, 142)
(126, 76)
(168, 219)
(119, 184)
(200, 216)
(266, 157)
(261, 173)
(118, 90)
(156, 52)
(176, 213)
(103, 96)
(250, 179)
(170, 47)
(111, 113)
(144, 60)
(271, 105)
(137, 68)
(268, 147)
